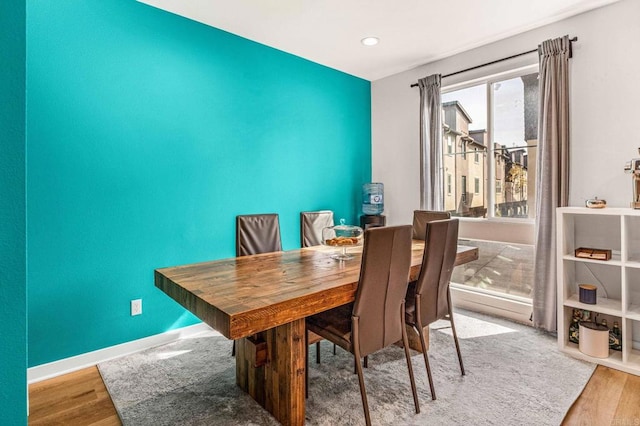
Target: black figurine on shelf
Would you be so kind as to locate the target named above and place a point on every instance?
(574, 327)
(615, 337)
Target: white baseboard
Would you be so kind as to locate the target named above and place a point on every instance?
(513, 309)
(78, 362)
(517, 310)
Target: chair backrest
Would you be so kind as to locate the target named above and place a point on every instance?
(384, 276)
(257, 233)
(311, 225)
(422, 217)
(432, 286)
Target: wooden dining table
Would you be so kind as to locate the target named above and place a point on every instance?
(262, 301)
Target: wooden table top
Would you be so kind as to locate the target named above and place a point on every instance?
(242, 296)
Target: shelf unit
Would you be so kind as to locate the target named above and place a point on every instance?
(617, 279)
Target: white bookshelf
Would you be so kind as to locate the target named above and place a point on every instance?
(618, 279)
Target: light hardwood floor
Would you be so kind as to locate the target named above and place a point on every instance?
(610, 398)
(80, 398)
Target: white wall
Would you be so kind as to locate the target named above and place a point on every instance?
(605, 107)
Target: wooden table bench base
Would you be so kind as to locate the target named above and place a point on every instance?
(278, 385)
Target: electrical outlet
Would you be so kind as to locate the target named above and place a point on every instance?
(136, 307)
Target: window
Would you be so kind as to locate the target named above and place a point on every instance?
(463, 190)
(509, 140)
(495, 119)
(449, 144)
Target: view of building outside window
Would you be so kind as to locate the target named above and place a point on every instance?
(512, 150)
(507, 184)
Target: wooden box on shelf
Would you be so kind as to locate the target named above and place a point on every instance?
(593, 253)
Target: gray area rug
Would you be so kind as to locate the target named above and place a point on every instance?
(515, 376)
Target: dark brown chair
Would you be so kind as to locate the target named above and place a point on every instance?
(430, 299)
(422, 217)
(256, 234)
(376, 319)
(311, 225)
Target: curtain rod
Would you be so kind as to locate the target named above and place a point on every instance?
(499, 60)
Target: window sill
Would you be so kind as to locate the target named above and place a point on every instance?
(512, 307)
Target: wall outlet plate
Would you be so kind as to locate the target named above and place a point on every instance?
(136, 307)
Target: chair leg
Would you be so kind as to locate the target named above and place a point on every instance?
(334, 348)
(455, 335)
(363, 392)
(355, 330)
(317, 352)
(455, 339)
(233, 349)
(405, 343)
(423, 344)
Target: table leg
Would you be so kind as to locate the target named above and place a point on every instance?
(414, 338)
(278, 385)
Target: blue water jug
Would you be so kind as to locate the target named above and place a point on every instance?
(372, 198)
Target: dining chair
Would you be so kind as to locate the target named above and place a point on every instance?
(429, 299)
(422, 217)
(376, 318)
(311, 225)
(256, 234)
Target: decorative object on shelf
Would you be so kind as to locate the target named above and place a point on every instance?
(574, 327)
(595, 203)
(342, 236)
(579, 315)
(587, 293)
(593, 253)
(615, 337)
(594, 339)
(633, 167)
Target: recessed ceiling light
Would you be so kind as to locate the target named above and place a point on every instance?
(370, 41)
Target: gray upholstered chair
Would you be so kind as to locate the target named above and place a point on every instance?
(256, 234)
(429, 299)
(422, 217)
(311, 225)
(376, 319)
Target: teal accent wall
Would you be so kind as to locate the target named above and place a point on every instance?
(147, 134)
(13, 287)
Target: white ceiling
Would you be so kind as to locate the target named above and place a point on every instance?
(411, 32)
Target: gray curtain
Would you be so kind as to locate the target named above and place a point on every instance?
(552, 178)
(431, 173)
